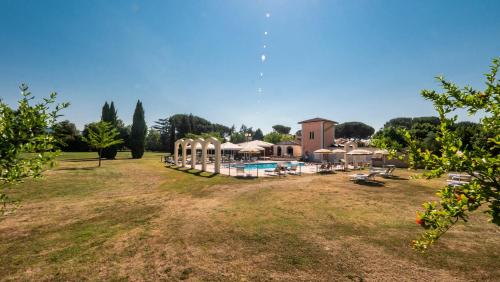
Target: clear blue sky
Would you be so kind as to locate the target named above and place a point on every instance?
(344, 60)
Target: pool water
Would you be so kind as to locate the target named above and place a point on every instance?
(267, 165)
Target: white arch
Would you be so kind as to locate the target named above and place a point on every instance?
(193, 151)
(204, 148)
(184, 150)
(176, 150)
(216, 143)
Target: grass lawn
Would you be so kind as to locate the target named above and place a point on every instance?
(137, 220)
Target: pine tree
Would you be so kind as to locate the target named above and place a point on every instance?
(138, 133)
(109, 115)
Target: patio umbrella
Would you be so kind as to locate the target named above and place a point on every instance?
(323, 152)
(358, 152)
(381, 153)
(251, 149)
(228, 146)
(338, 151)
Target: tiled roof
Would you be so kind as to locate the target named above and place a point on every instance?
(317, 119)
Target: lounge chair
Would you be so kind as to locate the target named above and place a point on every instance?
(360, 177)
(293, 170)
(277, 171)
(388, 172)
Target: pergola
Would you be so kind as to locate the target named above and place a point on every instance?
(194, 144)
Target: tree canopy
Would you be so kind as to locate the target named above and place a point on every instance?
(481, 161)
(138, 132)
(102, 135)
(282, 129)
(354, 129)
(27, 144)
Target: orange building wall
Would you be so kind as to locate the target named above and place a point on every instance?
(310, 145)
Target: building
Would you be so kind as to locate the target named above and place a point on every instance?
(317, 133)
(287, 149)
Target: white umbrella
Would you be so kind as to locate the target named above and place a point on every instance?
(337, 151)
(251, 149)
(323, 151)
(383, 152)
(228, 146)
(359, 152)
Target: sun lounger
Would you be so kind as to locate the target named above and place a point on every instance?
(293, 170)
(360, 177)
(388, 172)
(277, 171)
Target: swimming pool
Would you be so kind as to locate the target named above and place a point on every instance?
(266, 165)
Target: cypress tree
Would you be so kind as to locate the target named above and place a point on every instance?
(138, 133)
(109, 115)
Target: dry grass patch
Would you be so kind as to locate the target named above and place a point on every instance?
(148, 222)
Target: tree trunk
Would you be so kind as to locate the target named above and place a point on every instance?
(100, 153)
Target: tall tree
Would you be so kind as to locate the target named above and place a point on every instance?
(282, 129)
(109, 115)
(102, 136)
(354, 129)
(138, 132)
(258, 135)
(26, 146)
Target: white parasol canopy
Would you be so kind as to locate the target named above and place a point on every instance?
(383, 152)
(323, 151)
(337, 151)
(360, 152)
(228, 146)
(251, 149)
(258, 143)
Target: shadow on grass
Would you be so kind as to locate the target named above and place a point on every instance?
(80, 160)
(78, 168)
(193, 171)
(373, 183)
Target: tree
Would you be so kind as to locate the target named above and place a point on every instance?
(258, 135)
(354, 129)
(276, 137)
(153, 141)
(237, 137)
(26, 144)
(70, 139)
(138, 132)
(282, 129)
(102, 136)
(482, 163)
(109, 115)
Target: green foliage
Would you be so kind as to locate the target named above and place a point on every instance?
(480, 162)
(180, 125)
(109, 115)
(237, 137)
(69, 138)
(276, 137)
(102, 135)
(138, 132)
(207, 135)
(258, 135)
(282, 129)
(153, 141)
(26, 144)
(354, 129)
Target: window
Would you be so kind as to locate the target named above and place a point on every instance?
(311, 135)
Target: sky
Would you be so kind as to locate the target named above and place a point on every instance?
(342, 60)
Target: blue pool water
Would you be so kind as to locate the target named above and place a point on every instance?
(267, 165)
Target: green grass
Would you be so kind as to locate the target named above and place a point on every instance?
(138, 220)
